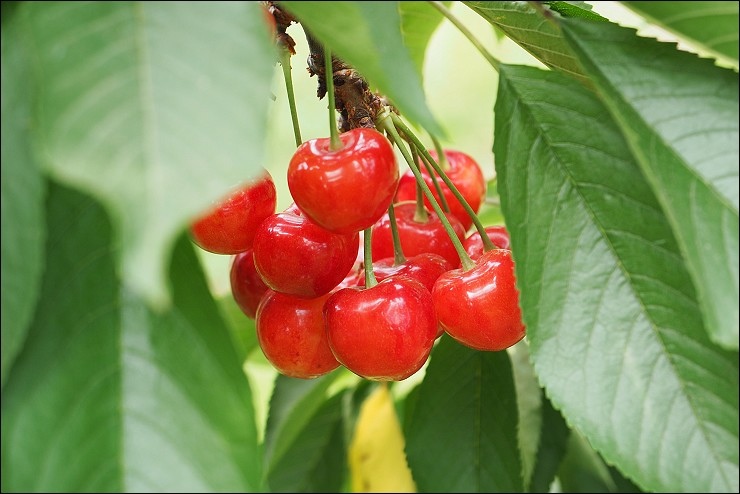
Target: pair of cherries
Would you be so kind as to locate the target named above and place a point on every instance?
(297, 272)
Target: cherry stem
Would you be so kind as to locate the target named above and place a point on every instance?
(335, 143)
(285, 62)
(398, 256)
(420, 215)
(487, 244)
(441, 156)
(466, 32)
(435, 181)
(367, 258)
(386, 121)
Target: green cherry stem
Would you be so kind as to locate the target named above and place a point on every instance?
(398, 256)
(335, 143)
(420, 214)
(435, 181)
(466, 32)
(441, 156)
(487, 244)
(386, 122)
(367, 258)
(285, 63)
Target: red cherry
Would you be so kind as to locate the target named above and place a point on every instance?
(382, 333)
(416, 237)
(463, 171)
(294, 255)
(229, 227)
(480, 307)
(473, 245)
(347, 190)
(247, 286)
(424, 268)
(291, 334)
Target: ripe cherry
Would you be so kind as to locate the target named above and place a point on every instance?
(230, 225)
(385, 332)
(345, 190)
(417, 236)
(247, 286)
(296, 256)
(463, 171)
(292, 336)
(473, 244)
(424, 268)
(479, 307)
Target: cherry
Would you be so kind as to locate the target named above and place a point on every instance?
(296, 256)
(473, 244)
(230, 225)
(344, 190)
(463, 171)
(424, 268)
(247, 286)
(416, 236)
(292, 336)
(479, 307)
(385, 332)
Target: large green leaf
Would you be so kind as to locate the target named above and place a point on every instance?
(679, 114)
(419, 21)
(22, 195)
(156, 108)
(317, 458)
(367, 35)
(109, 396)
(293, 405)
(614, 327)
(710, 25)
(526, 26)
(461, 435)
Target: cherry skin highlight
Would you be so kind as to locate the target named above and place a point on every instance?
(498, 234)
(293, 255)
(480, 307)
(385, 332)
(417, 237)
(345, 190)
(292, 336)
(463, 171)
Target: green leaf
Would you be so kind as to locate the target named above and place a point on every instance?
(241, 327)
(614, 327)
(419, 21)
(109, 396)
(293, 405)
(524, 25)
(554, 436)
(713, 26)
(679, 114)
(157, 109)
(529, 405)
(462, 433)
(317, 458)
(367, 35)
(22, 196)
(583, 470)
(575, 9)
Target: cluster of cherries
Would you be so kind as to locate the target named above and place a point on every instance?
(359, 271)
